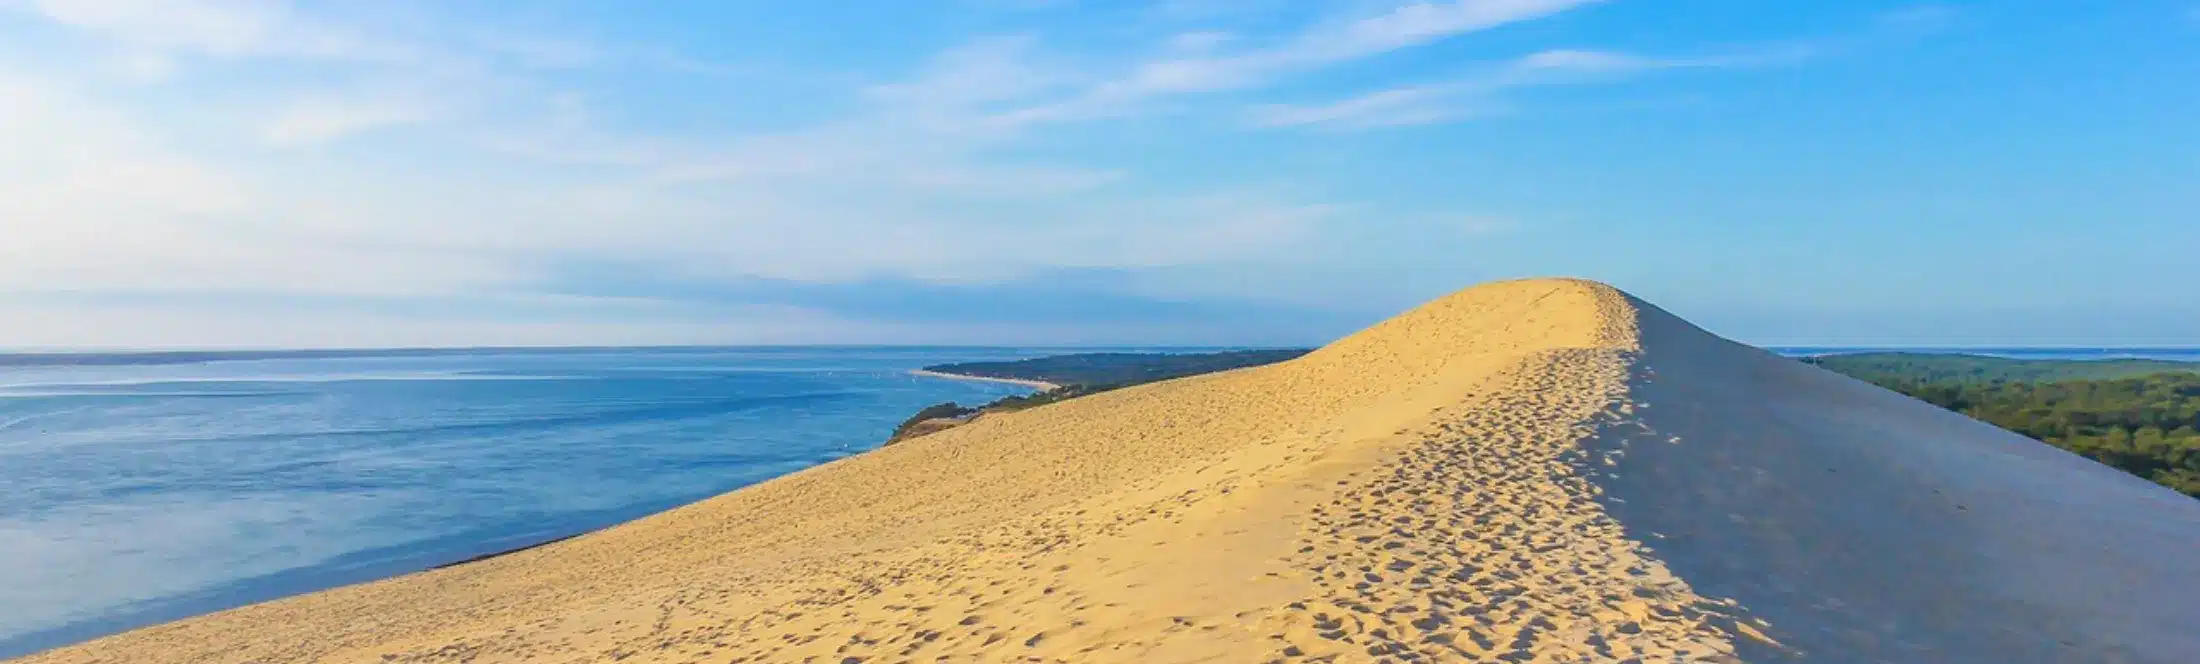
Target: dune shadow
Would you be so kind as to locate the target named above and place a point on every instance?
(1863, 527)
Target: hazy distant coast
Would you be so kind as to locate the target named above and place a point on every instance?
(1069, 376)
(1039, 384)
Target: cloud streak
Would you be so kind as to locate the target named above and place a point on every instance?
(1333, 41)
(260, 148)
(310, 121)
(1479, 95)
(220, 28)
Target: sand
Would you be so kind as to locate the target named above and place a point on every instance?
(1543, 470)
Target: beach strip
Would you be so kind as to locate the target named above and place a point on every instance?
(1040, 385)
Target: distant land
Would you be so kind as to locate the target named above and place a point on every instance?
(2138, 416)
(1960, 367)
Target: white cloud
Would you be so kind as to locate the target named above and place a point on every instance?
(1200, 42)
(67, 155)
(93, 199)
(503, 172)
(504, 320)
(1416, 24)
(1477, 95)
(134, 214)
(229, 28)
(540, 51)
(1008, 181)
(313, 120)
(957, 89)
(1329, 43)
(1393, 107)
(1202, 10)
(145, 66)
(1588, 61)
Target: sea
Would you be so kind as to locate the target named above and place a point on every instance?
(140, 488)
(137, 488)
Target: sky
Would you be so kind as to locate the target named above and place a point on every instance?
(259, 173)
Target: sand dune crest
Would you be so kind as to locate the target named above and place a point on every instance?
(1508, 473)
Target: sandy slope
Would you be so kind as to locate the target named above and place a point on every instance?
(1473, 480)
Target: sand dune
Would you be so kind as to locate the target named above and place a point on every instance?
(1539, 470)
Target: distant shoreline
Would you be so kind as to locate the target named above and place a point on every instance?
(516, 549)
(1039, 384)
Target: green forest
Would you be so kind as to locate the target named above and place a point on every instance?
(1942, 367)
(2142, 424)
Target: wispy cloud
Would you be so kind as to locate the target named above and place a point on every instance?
(964, 83)
(263, 148)
(1199, 42)
(314, 120)
(1570, 60)
(1455, 99)
(923, 151)
(539, 50)
(1329, 42)
(1414, 24)
(227, 28)
(1480, 94)
(1416, 105)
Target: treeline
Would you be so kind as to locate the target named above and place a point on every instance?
(954, 410)
(2148, 426)
(922, 422)
(1928, 368)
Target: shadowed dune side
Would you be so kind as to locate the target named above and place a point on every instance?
(1866, 526)
(1468, 481)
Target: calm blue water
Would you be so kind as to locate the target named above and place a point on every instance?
(165, 487)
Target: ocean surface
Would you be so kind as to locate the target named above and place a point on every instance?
(140, 488)
(137, 488)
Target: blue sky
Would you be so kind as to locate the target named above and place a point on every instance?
(262, 173)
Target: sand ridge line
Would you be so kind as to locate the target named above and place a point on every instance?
(1206, 518)
(1157, 523)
